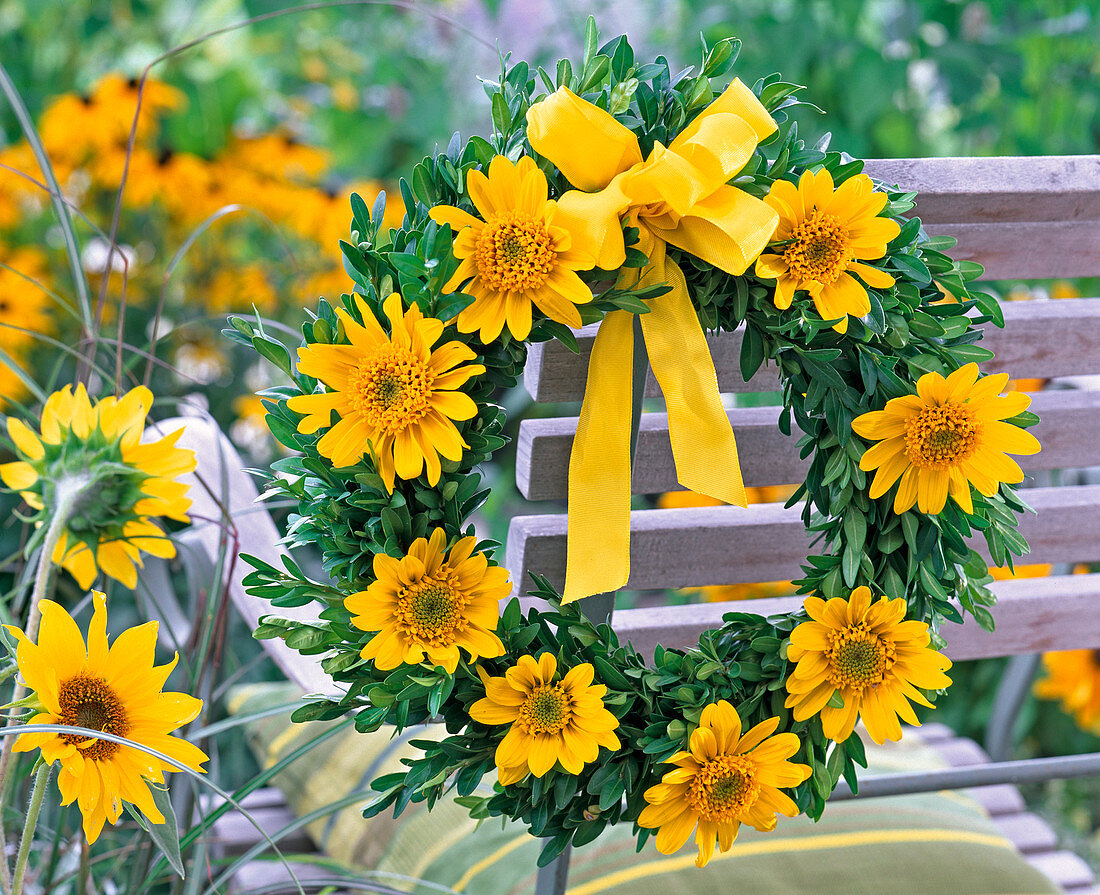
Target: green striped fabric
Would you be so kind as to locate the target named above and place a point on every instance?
(934, 843)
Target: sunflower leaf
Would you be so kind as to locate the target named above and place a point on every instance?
(166, 835)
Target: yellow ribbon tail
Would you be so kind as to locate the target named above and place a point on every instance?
(598, 542)
(699, 429)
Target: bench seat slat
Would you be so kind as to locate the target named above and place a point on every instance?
(766, 542)
(1051, 188)
(1041, 339)
(1069, 433)
(1033, 615)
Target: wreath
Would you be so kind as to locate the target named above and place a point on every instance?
(620, 191)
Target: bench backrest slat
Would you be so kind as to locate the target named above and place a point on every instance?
(768, 542)
(1069, 431)
(1021, 218)
(1041, 339)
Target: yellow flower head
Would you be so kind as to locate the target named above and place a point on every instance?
(394, 393)
(867, 655)
(431, 602)
(1073, 677)
(185, 186)
(235, 288)
(74, 127)
(321, 215)
(126, 483)
(1033, 570)
(946, 437)
(518, 254)
(118, 98)
(827, 235)
(279, 156)
(723, 780)
(24, 302)
(115, 689)
(553, 722)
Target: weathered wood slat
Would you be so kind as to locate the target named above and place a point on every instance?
(1069, 433)
(217, 485)
(1051, 188)
(1028, 832)
(997, 800)
(766, 542)
(1065, 868)
(234, 834)
(1027, 251)
(1033, 615)
(1041, 339)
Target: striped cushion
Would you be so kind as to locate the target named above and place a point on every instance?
(941, 843)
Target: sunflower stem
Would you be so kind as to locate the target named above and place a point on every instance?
(41, 782)
(82, 880)
(67, 493)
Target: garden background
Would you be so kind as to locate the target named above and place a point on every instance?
(237, 193)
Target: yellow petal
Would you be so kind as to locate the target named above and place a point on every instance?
(25, 439)
(18, 475)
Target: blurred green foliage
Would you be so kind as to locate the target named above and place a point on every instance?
(379, 85)
(935, 77)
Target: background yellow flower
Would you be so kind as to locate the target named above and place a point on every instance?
(1073, 678)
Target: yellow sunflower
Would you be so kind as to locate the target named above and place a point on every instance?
(1073, 678)
(395, 394)
(868, 656)
(116, 690)
(553, 723)
(124, 482)
(825, 237)
(517, 255)
(724, 779)
(431, 602)
(948, 436)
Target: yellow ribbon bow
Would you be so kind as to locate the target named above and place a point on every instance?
(679, 195)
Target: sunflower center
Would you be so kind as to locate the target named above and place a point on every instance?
(514, 253)
(858, 658)
(547, 710)
(391, 389)
(724, 788)
(90, 702)
(431, 610)
(940, 437)
(819, 249)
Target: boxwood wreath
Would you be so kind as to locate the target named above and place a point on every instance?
(392, 408)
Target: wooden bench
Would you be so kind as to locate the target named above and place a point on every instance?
(1021, 218)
